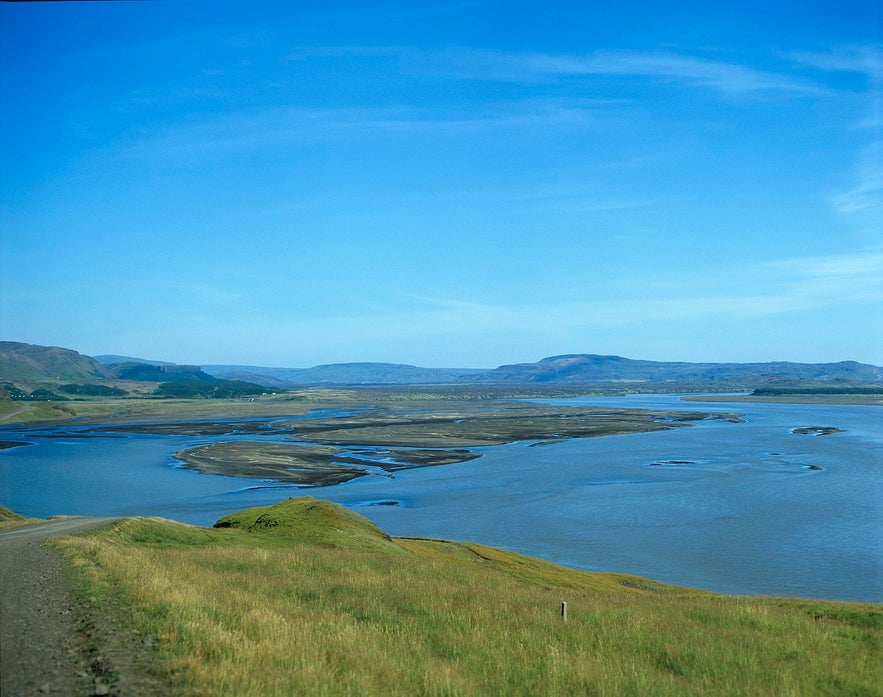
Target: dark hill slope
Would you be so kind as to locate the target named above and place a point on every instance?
(148, 372)
(28, 363)
(590, 368)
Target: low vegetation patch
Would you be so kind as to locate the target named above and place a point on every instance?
(92, 390)
(214, 389)
(305, 597)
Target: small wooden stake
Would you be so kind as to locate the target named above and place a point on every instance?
(563, 611)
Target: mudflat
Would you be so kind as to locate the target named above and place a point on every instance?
(313, 465)
(479, 424)
(392, 438)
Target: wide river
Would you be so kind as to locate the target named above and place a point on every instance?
(747, 508)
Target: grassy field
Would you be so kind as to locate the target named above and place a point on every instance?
(307, 598)
(142, 409)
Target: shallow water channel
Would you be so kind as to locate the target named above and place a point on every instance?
(747, 508)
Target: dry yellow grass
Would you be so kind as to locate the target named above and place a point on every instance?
(326, 606)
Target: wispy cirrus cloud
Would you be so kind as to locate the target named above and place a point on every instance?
(666, 66)
(533, 66)
(719, 75)
(279, 125)
(245, 132)
(850, 59)
(826, 281)
(861, 61)
(863, 201)
(797, 285)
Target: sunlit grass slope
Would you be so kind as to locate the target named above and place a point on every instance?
(9, 518)
(307, 598)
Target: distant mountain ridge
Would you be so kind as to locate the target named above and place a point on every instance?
(28, 363)
(343, 374)
(593, 368)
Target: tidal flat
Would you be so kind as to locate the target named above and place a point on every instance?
(481, 424)
(308, 465)
(397, 438)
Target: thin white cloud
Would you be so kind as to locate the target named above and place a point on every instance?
(719, 75)
(799, 285)
(845, 266)
(531, 66)
(853, 59)
(863, 201)
(244, 133)
(865, 61)
(204, 294)
(728, 77)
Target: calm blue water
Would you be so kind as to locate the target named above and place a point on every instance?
(748, 508)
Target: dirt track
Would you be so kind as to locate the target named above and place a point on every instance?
(50, 644)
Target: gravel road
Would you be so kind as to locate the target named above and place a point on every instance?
(50, 644)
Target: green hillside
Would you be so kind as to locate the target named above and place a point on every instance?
(145, 372)
(304, 597)
(28, 364)
(9, 518)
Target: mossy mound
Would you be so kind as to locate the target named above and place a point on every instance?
(158, 532)
(311, 520)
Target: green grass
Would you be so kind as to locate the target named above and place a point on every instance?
(307, 598)
(10, 519)
(109, 410)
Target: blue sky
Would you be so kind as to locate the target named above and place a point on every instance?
(444, 184)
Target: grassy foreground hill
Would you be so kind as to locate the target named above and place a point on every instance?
(308, 598)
